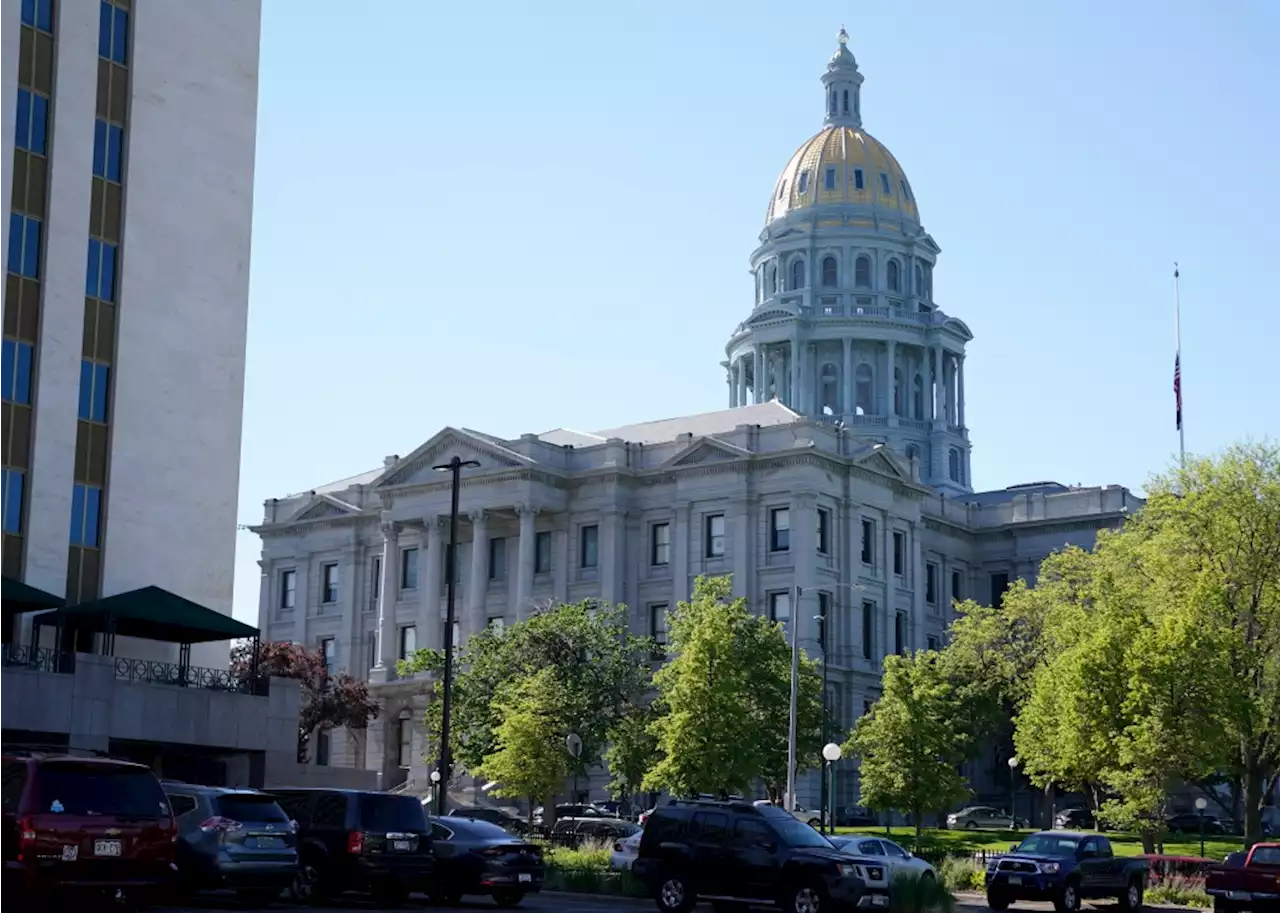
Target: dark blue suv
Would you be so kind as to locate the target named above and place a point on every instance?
(1065, 867)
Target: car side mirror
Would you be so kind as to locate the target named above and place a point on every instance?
(768, 846)
(1013, 848)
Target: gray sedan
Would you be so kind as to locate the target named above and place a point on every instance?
(897, 860)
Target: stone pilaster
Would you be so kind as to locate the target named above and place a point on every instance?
(385, 669)
(478, 590)
(804, 558)
(525, 561)
(680, 554)
(430, 569)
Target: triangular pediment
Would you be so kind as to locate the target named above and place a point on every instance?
(706, 450)
(880, 460)
(416, 468)
(323, 507)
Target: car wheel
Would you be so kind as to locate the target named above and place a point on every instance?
(508, 897)
(927, 877)
(1131, 899)
(997, 901)
(1068, 900)
(308, 884)
(257, 898)
(1222, 905)
(390, 894)
(807, 898)
(970, 826)
(445, 897)
(674, 893)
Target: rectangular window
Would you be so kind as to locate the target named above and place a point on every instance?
(94, 379)
(779, 529)
(900, 633)
(858, 181)
(824, 531)
(957, 587)
(113, 33)
(588, 546)
(288, 588)
(17, 372)
(32, 131)
(498, 625)
(100, 272)
(324, 747)
(375, 585)
(408, 568)
(715, 536)
(884, 184)
(108, 144)
(658, 623)
(804, 181)
(24, 245)
(542, 553)
(868, 629)
(933, 643)
(328, 650)
(660, 544)
(999, 583)
(13, 482)
(899, 553)
(824, 622)
(780, 609)
(38, 14)
(931, 583)
(868, 542)
(829, 181)
(328, 583)
(405, 735)
(408, 640)
(497, 558)
(86, 514)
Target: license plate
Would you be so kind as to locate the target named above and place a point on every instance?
(1015, 879)
(106, 847)
(524, 876)
(268, 843)
(879, 900)
(401, 846)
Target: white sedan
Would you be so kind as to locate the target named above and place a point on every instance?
(896, 859)
(624, 852)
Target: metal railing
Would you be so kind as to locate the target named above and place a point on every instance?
(39, 659)
(163, 673)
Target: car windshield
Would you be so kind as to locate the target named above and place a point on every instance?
(795, 833)
(1049, 845)
(248, 807)
(392, 813)
(99, 789)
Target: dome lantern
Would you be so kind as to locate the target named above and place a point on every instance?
(843, 85)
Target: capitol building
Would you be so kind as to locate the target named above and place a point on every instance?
(840, 465)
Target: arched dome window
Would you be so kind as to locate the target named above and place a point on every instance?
(863, 390)
(829, 276)
(797, 273)
(846, 101)
(917, 398)
(862, 272)
(830, 389)
(772, 284)
(953, 464)
(919, 287)
(897, 391)
(895, 276)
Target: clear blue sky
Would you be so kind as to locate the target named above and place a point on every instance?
(516, 216)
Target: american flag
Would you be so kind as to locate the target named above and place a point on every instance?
(1177, 386)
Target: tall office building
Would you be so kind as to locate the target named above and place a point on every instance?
(129, 131)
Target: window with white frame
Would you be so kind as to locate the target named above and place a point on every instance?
(931, 583)
(406, 743)
(542, 553)
(589, 546)
(868, 542)
(288, 588)
(658, 623)
(329, 582)
(408, 640)
(660, 544)
(714, 536)
(408, 568)
(780, 609)
(824, 531)
(329, 651)
(899, 553)
(779, 529)
(497, 558)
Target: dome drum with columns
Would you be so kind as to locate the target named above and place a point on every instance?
(844, 326)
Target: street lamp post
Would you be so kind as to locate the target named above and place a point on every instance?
(1013, 793)
(573, 743)
(454, 467)
(435, 786)
(1201, 805)
(830, 754)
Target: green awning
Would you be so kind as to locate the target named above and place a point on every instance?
(22, 597)
(153, 614)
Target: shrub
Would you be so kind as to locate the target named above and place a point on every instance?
(960, 874)
(585, 870)
(1182, 890)
(911, 894)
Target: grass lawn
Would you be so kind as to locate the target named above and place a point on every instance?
(947, 842)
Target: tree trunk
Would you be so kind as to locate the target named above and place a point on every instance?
(919, 822)
(1253, 798)
(1148, 843)
(1047, 804)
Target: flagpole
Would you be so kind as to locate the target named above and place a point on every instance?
(1177, 332)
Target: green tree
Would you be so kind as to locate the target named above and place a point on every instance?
(529, 758)
(909, 746)
(724, 698)
(632, 751)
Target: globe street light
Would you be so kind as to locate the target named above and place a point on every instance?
(435, 786)
(1201, 805)
(830, 754)
(1013, 793)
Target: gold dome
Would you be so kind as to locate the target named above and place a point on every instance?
(826, 168)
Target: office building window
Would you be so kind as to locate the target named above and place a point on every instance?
(408, 568)
(497, 558)
(288, 588)
(329, 583)
(113, 33)
(32, 131)
(375, 584)
(900, 633)
(588, 546)
(17, 372)
(38, 14)
(14, 481)
(498, 625)
(658, 623)
(86, 513)
(100, 271)
(779, 529)
(94, 380)
(999, 583)
(825, 621)
(899, 553)
(867, 707)
(660, 544)
(408, 640)
(931, 583)
(24, 245)
(780, 609)
(957, 585)
(328, 650)
(715, 536)
(324, 747)
(868, 542)
(933, 643)
(868, 629)
(108, 144)
(405, 735)
(824, 531)
(542, 553)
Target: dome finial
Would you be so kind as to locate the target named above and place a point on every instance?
(843, 37)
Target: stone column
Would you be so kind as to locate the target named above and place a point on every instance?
(738, 519)
(385, 668)
(733, 387)
(560, 562)
(302, 600)
(891, 353)
(796, 398)
(267, 607)
(758, 381)
(741, 362)
(916, 639)
(524, 571)
(889, 616)
(804, 556)
(478, 590)
(939, 388)
(960, 390)
(680, 555)
(847, 401)
(430, 570)
(612, 546)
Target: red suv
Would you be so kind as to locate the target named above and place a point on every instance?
(85, 825)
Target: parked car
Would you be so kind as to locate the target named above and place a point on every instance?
(894, 858)
(1072, 819)
(1065, 867)
(624, 852)
(233, 838)
(503, 819)
(855, 816)
(736, 852)
(983, 816)
(354, 840)
(476, 857)
(800, 813)
(1191, 823)
(93, 827)
(573, 831)
(1246, 881)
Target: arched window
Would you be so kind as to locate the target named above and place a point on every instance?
(953, 464)
(830, 389)
(863, 390)
(917, 398)
(846, 101)
(895, 276)
(829, 277)
(862, 272)
(919, 289)
(797, 273)
(831, 104)
(773, 278)
(897, 391)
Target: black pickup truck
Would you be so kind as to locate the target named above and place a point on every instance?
(1065, 867)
